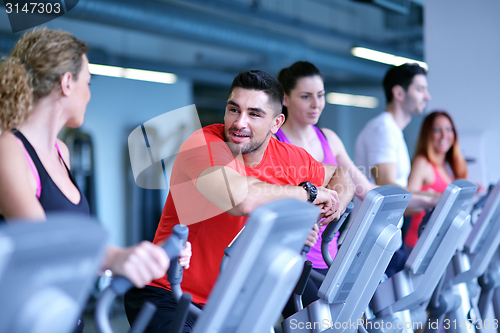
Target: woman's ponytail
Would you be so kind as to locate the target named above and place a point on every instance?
(16, 94)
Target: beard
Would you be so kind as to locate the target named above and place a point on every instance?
(239, 149)
(415, 109)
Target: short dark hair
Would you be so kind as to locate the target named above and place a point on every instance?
(400, 76)
(289, 76)
(261, 81)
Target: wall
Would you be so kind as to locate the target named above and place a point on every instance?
(462, 50)
(116, 108)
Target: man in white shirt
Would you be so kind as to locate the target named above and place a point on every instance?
(381, 149)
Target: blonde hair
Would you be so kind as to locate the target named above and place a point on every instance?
(34, 70)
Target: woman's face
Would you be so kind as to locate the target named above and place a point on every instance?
(442, 134)
(307, 100)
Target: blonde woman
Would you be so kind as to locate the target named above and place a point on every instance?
(44, 87)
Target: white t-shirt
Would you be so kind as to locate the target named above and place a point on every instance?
(382, 141)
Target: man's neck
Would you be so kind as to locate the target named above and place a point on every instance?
(401, 118)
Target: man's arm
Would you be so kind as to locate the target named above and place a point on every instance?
(386, 173)
(240, 195)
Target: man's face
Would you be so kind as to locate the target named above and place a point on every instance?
(249, 121)
(417, 96)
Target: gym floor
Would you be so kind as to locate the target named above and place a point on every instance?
(119, 322)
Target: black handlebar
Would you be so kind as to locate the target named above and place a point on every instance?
(331, 229)
(301, 285)
(174, 275)
(327, 236)
(120, 285)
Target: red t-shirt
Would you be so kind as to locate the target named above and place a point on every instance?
(210, 228)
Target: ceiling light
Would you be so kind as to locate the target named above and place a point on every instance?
(385, 58)
(359, 101)
(133, 74)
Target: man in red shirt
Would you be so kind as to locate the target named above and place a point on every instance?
(221, 174)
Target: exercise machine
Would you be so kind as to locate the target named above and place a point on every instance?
(308, 273)
(456, 303)
(446, 230)
(360, 263)
(264, 267)
(259, 274)
(47, 271)
(120, 285)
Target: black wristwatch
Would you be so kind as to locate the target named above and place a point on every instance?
(311, 189)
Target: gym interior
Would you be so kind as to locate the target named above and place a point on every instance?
(201, 46)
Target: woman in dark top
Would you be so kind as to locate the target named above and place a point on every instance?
(44, 86)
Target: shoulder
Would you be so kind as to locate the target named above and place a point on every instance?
(380, 135)
(423, 167)
(421, 173)
(9, 147)
(13, 163)
(334, 142)
(286, 152)
(331, 136)
(7, 139)
(215, 129)
(386, 123)
(64, 151)
(281, 147)
(211, 133)
(421, 161)
(375, 126)
(202, 137)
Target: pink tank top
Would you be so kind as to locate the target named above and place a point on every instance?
(439, 185)
(314, 254)
(33, 167)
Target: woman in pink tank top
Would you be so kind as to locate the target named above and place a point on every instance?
(438, 161)
(303, 104)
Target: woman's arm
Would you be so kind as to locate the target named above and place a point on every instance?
(420, 175)
(361, 183)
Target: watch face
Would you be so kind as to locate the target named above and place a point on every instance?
(313, 192)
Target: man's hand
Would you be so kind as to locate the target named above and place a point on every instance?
(185, 256)
(329, 203)
(313, 236)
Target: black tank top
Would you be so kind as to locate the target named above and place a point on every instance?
(51, 197)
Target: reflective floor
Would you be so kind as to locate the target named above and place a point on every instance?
(119, 322)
